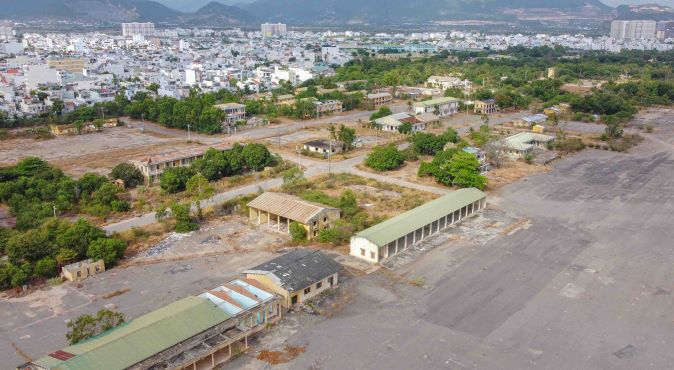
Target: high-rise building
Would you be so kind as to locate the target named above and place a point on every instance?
(633, 30)
(6, 31)
(273, 29)
(133, 29)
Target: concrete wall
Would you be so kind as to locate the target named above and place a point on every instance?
(363, 249)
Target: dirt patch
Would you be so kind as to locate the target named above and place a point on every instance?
(510, 172)
(376, 191)
(288, 354)
(115, 293)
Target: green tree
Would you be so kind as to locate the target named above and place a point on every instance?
(256, 156)
(78, 237)
(405, 128)
(57, 107)
(65, 256)
(385, 158)
(174, 179)
(348, 204)
(128, 173)
(294, 180)
(184, 222)
(347, 136)
(297, 232)
(87, 326)
(46, 267)
(154, 87)
(464, 170)
(199, 187)
(106, 249)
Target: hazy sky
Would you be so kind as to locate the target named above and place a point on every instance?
(190, 5)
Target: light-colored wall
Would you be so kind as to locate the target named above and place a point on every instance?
(286, 295)
(358, 243)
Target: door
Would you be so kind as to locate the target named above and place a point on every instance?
(293, 300)
(330, 281)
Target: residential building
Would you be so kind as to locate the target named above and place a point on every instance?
(441, 107)
(72, 65)
(273, 29)
(279, 210)
(297, 276)
(153, 166)
(485, 106)
(529, 121)
(379, 99)
(407, 229)
(193, 333)
(328, 107)
(234, 112)
(81, 270)
(633, 30)
(286, 99)
(323, 147)
(448, 82)
(519, 145)
(136, 28)
(394, 122)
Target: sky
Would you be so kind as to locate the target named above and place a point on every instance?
(191, 5)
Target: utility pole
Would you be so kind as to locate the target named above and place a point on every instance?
(329, 156)
(142, 122)
(189, 134)
(299, 157)
(54, 208)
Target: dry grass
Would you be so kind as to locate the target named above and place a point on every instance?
(510, 172)
(141, 238)
(288, 354)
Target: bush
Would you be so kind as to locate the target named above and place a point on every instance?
(46, 268)
(108, 250)
(256, 156)
(569, 145)
(385, 158)
(120, 206)
(297, 232)
(184, 222)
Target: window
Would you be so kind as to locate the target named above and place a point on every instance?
(325, 219)
(79, 273)
(372, 255)
(319, 285)
(307, 290)
(362, 252)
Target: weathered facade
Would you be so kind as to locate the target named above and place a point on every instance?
(81, 270)
(403, 231)
(278, 211)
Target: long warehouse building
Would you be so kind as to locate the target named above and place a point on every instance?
(403, 231)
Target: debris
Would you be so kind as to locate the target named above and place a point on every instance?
(115, 293)
(288, 354)
(165, 244)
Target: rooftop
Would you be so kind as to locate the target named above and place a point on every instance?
(298, 269)
(139, 339)
(436, 101)
(288, 206)
(403, 224)
(525, 140)
(177, 154)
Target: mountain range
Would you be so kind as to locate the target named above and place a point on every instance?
(310, 12)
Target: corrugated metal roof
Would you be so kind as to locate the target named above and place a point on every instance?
(298, 269)
(403, 224)
(436, 101)
(523, 140)
(142, 337)
(287, 206)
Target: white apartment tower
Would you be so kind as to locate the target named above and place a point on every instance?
(6, 31)
(633, 30)
(273, 29)
(133, 29)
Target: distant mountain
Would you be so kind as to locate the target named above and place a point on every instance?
(218, 14)
(116, 11)
(646, 11)
(416, 11)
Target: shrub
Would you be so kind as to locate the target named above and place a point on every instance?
(184, 222)
(385, 158)
(569, 145)
(46, 267)
(174, 179)
(109, 250)
(297, 232)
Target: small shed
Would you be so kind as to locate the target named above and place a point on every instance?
(81, 270)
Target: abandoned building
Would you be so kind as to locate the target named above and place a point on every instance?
(323, 147)
(81, 270)
(193, 333)
(297, 276)
(519, 145)
(278, 210)
(405, 230)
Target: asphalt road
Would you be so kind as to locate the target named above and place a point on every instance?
(588, 285)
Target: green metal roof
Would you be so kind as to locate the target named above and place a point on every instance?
(436, 101)
(142, 337)
(403, 224)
